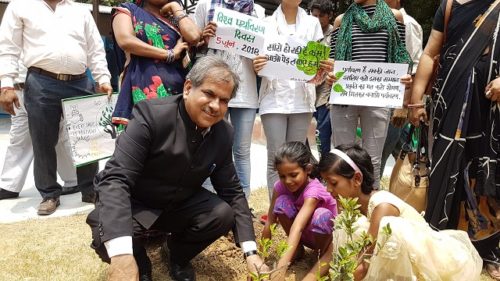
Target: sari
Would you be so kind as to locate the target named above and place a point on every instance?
(464, 171)
(148, 78)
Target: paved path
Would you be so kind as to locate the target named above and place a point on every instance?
(25, 207)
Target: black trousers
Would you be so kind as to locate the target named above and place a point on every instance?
(194, 225)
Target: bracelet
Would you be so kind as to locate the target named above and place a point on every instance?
(249, 253)
(170, 56)
(416, 105)
(175, 20)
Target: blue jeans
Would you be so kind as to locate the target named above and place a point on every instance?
(242, 120)
(43, 97)
(323, 128)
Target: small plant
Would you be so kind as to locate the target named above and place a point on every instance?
(354, 250)
(268, 250)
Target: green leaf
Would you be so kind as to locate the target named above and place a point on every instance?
(339, 74)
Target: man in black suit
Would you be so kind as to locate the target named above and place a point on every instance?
(153, 180)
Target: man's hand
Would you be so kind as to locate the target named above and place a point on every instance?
(399, 117)
(123, 268)
(8, 98)
(106, 89)
(256, 264)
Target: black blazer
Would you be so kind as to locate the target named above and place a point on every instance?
(161, 160)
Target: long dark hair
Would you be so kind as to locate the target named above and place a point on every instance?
(332, 163)
(297, 152)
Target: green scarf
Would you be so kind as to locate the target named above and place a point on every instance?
(383, 18)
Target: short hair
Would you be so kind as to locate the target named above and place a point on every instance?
(402, 3)
(215, 68)
(324, 6)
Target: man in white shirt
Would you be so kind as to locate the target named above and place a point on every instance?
(19, 154)
(58, 40)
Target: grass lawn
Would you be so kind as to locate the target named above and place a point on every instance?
(58, 249)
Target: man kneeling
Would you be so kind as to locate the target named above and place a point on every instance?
(153, 180)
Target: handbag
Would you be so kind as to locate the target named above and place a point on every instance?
(410, 176)
(435, 68)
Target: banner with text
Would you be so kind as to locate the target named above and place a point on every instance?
(292, 59)
(368, 84)
(88, 121)
(238, 33)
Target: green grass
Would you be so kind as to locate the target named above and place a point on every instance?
(58, 249)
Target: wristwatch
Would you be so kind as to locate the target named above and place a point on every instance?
(249, 253)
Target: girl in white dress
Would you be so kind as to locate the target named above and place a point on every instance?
(413, 251)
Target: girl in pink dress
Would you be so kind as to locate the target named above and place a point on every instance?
(301, 205)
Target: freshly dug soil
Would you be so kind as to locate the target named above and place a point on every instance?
(223, 261)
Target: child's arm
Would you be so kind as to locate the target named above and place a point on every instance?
(322, 265)
(382, 210)
(271, 218)
(298, 226)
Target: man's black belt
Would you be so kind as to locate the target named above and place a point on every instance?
(19, 86)
(60, 76)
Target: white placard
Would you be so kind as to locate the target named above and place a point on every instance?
(369, 84)
(238, 33)
(88, 121)
(282, 53)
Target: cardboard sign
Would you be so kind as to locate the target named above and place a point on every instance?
(88, 121)
(292, 59)
(238, 33)
(368, 84)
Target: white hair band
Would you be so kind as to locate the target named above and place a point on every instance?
(346, 158)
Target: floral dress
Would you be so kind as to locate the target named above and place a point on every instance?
(148, 78)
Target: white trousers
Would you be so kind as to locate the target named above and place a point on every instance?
(374, 123)
(279, 129)
(19, 154)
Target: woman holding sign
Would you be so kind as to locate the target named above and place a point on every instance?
(243, 107)
(286, 106)
(465, 122)
(369, 31)
(154, 34)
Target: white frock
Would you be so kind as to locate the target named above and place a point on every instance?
(414, 251)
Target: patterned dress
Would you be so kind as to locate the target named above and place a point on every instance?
(148, 78)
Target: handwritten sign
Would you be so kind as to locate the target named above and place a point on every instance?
(238, 33)
(368, 84)
(283, 60)
(88, 121)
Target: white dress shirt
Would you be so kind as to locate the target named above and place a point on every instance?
(413, 39)
(65, 40)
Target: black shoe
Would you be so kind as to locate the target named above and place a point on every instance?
(5, 194)
(89, 197)
(182, 273)
(143, 264)
(70, 190)
(178, 272)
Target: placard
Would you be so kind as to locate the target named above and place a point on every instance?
(368, 84)
(88, 121)
(238, 33)
(292, 59)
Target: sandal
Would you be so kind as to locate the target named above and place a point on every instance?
(263, 219)
(493, 270)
